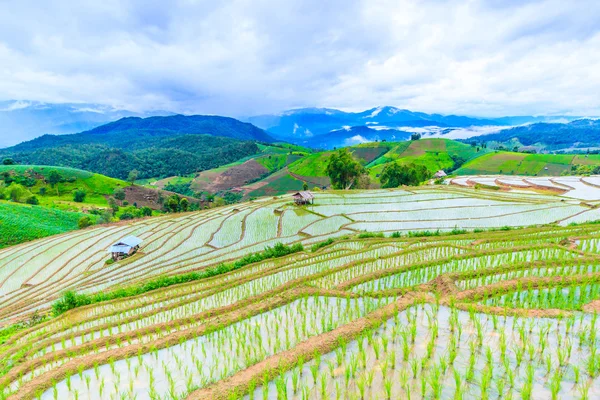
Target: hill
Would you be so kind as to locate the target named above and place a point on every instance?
(156, 146)
(24, 119)
(580, 134)
(245, 298)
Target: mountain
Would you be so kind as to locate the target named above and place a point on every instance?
(308, 122)
(24, 120)
(155, 146)
(328, 128)
(582, 134)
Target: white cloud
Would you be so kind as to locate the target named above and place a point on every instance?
(356, 139)
(242, 57)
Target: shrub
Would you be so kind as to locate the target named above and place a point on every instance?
(79, 195)
(84, 222)
(33, 201)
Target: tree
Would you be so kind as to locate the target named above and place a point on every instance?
(173, 203)
(133, 175)
(304, 186)
(394, 175)
(84, 222)
(54, 178)
(8, 161)
(415, 136)
(112, 203)
(184, 204)
(343, 169)
(79, 195)
(119, 194)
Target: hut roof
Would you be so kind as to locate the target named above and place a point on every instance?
(305, 195)
(440, 174)
(123, 245)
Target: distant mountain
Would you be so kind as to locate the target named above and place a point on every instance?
(23, 120)
(583, 133)
(355, 135)
(303, 123)
(155, 146)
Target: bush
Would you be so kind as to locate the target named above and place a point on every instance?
(396, 235)
(79, 195)
(84, 222)
(126, 216)
(33, 201)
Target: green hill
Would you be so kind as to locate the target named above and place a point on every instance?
(33, 179)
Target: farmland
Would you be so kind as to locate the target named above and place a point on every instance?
(525, 164)
(20, 223)
(487, 296)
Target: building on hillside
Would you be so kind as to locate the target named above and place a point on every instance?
(304, 197)
(440, 174)
(125, 247)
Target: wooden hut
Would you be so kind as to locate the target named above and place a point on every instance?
(304, 197)
(125, 247)
(440, 174)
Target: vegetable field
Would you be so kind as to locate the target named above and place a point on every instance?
(416, 293)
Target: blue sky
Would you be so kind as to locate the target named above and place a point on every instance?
(486, 58)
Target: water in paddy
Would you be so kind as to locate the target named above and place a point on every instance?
(475, 356)
(175, 371)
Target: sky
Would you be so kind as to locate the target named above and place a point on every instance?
(248, 57)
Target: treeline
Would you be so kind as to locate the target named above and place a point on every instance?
(151, 156)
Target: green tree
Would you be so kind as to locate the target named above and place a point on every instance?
(133, 175)
(79, 195)
(343, 169)
(8, 161)
(84, 222)
(54, 178)
(184, 204)
(394, 175)
(415, 136)
(304, 186)
(112, 203)
(119, 194)
(173, 203)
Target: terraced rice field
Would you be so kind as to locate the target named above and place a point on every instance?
(504, 313)
(573, 187)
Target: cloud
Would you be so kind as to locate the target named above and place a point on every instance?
(243, 57)
(356, 139)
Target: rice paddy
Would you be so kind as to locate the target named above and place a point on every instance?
(444, 299)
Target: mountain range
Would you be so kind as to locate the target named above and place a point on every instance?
(155, 146)
(327, 128)
(23, 120)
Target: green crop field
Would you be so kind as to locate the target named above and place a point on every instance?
(524, 164)
(437, 292)
(20, 223)
(96, 186)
